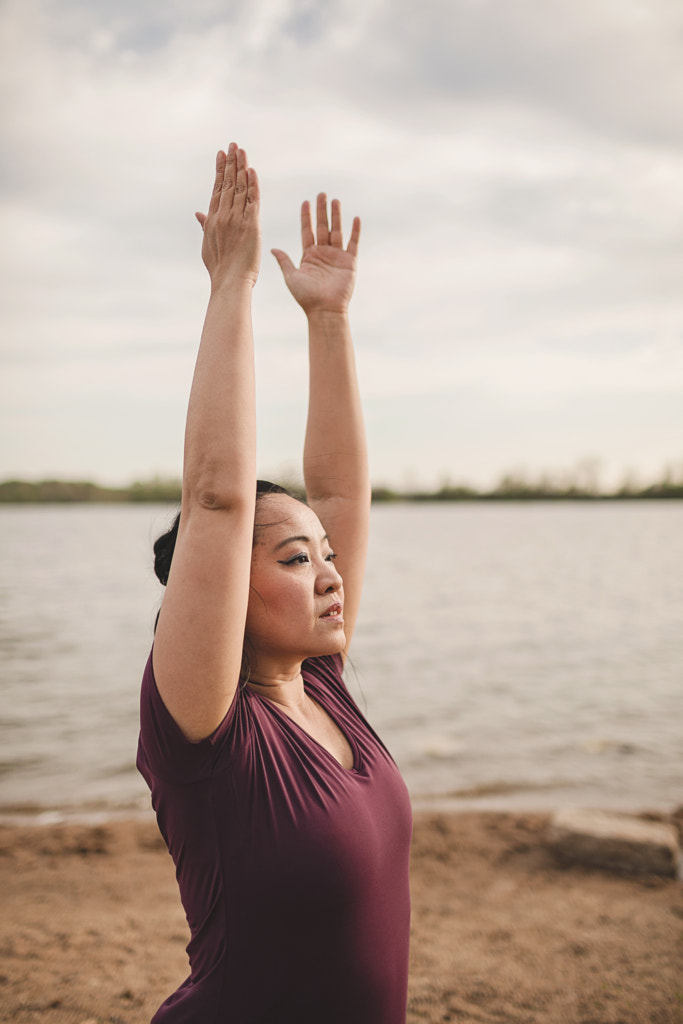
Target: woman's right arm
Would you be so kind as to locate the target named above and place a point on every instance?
(198, 642)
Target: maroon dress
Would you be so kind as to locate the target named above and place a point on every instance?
(293, 871)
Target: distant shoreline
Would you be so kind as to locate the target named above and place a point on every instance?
(159, 491)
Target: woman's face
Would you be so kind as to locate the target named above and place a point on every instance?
(296, 600)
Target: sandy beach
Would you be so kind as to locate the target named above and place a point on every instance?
(92, 931)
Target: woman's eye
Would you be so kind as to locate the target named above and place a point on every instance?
(294, 560)
(331, 557)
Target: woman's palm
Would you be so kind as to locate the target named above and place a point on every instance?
(324, 280)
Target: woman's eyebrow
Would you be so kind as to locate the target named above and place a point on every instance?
(301, 537)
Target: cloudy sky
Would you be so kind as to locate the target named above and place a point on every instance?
(518, 167)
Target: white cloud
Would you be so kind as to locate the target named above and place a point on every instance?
(517, 168)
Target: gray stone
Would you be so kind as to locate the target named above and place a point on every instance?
(618, 842)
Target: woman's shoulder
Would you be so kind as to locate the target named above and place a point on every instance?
(166, 752)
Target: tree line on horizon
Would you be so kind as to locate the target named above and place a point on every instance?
(511, 487)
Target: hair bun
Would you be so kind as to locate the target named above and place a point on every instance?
(164, 547)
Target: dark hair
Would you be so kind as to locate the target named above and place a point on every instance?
(164, 546)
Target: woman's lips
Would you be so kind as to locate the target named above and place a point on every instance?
(333, 612)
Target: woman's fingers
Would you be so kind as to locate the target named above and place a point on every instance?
(228, 187)
(239, 195)
(286, 265)
(224, 182)
(253, 189)
(352, 247)
(328, 232)
(336, 226)
(221, 161)
(307, 236)
(322, 226)
(235, 182)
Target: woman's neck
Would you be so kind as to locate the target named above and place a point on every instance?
(283, 685)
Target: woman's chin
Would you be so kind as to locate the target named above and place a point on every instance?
(335, 643)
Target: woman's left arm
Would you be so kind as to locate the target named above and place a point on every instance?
(336, 471)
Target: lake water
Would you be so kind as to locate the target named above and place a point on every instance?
(510, 655)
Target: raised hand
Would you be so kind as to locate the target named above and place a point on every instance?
(232, 231)
(324, 280)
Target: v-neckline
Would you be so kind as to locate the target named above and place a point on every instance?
(316, 697)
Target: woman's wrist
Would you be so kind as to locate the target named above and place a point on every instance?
(233, 285)
(328, 317)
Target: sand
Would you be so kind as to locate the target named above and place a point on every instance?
(92, 931)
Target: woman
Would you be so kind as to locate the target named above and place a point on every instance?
(286, 818)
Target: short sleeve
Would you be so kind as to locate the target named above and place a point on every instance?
(166, 753)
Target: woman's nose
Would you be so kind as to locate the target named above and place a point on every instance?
(329, 579)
